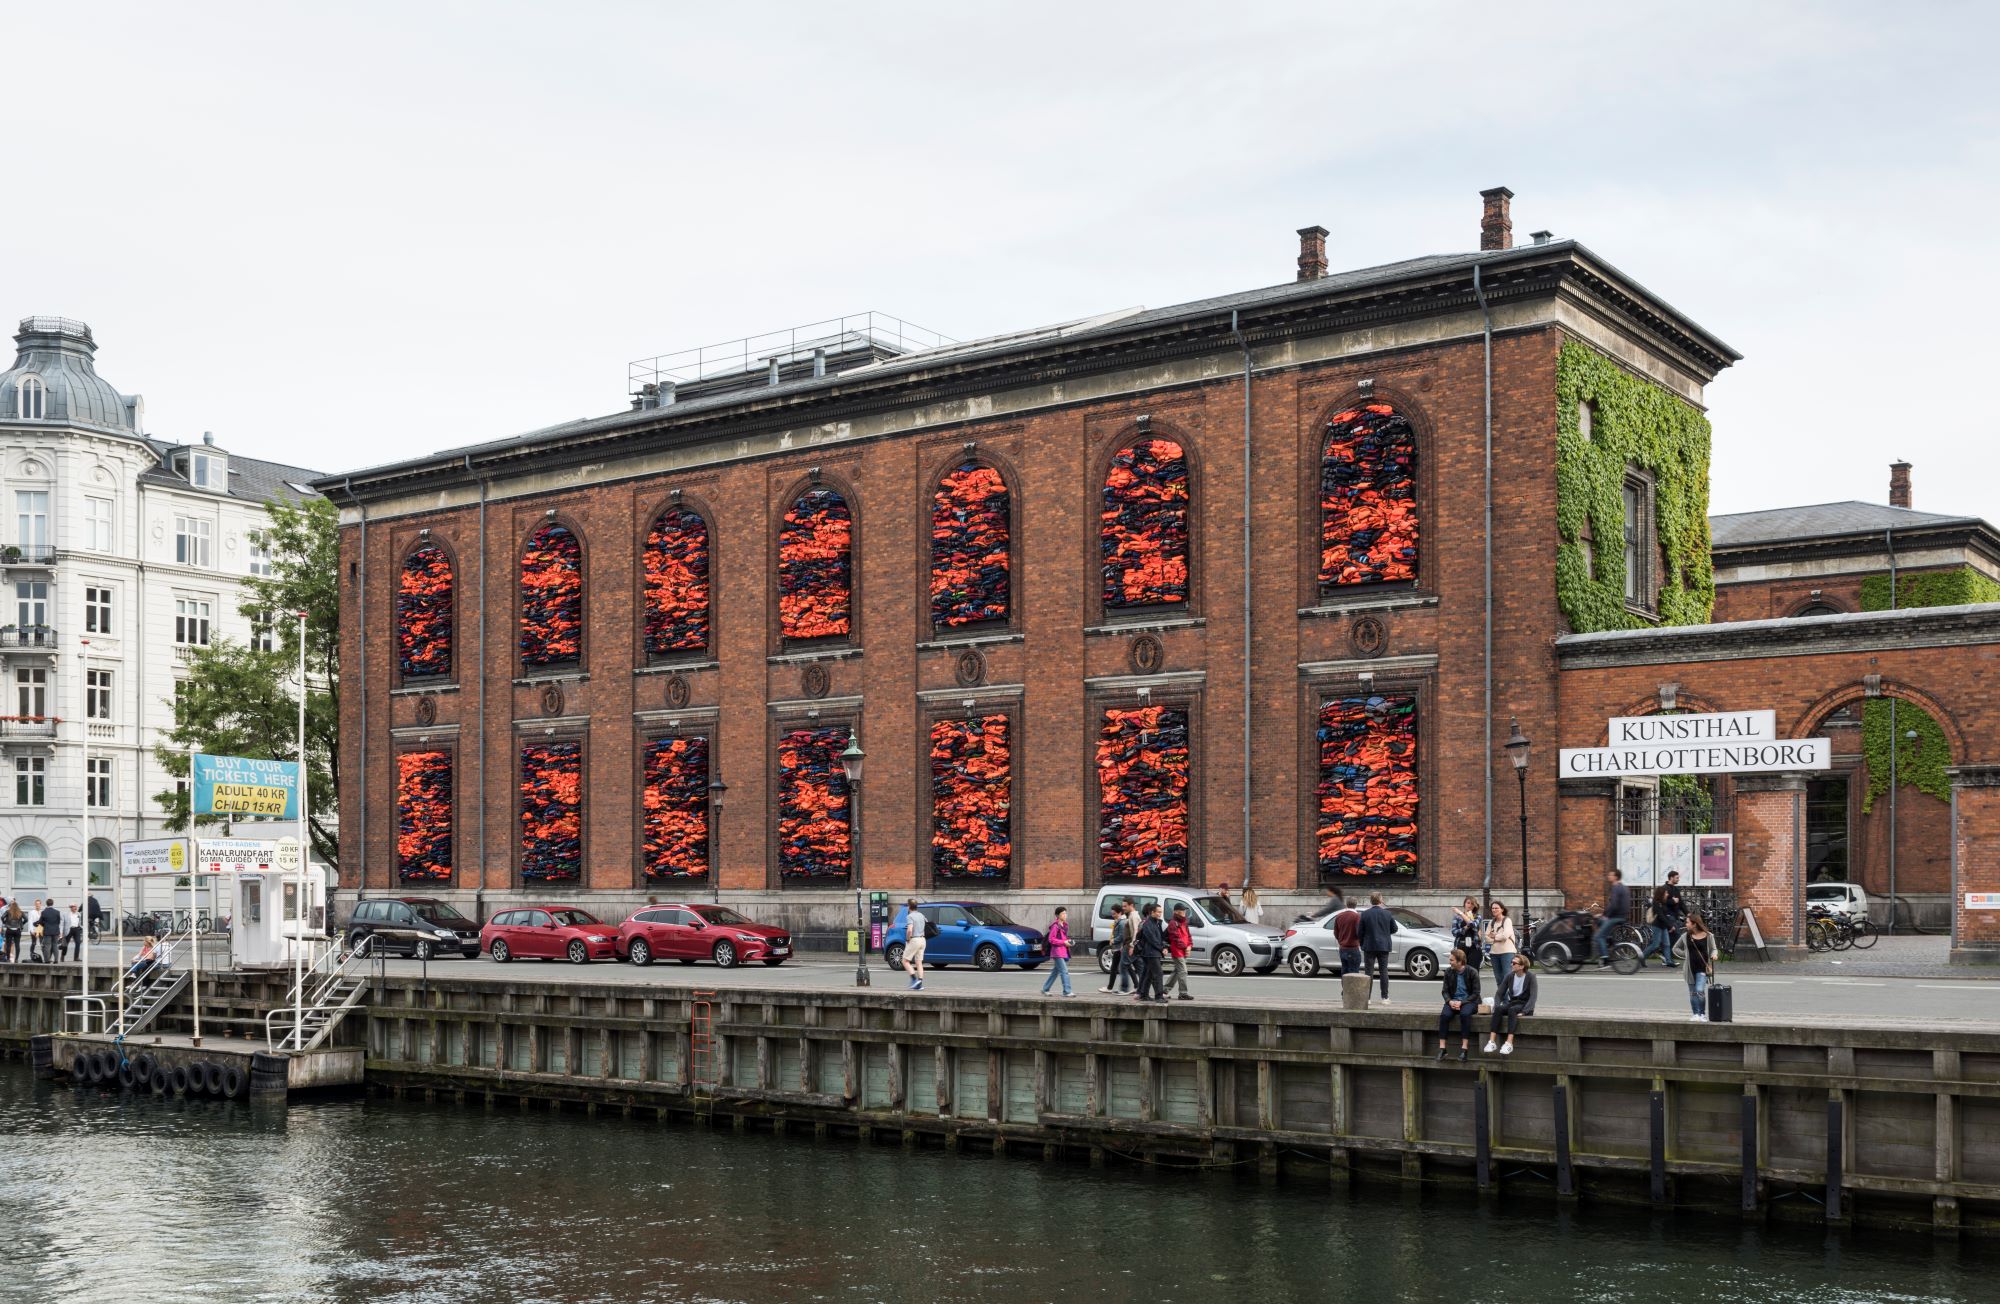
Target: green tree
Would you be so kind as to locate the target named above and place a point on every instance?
(241, 701)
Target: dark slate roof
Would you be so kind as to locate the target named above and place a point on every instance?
(1820, 521)
(1102, 330)
(251, 479)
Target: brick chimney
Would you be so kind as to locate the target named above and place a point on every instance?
(1312, 252)
(1496, 223)
(1899, 484)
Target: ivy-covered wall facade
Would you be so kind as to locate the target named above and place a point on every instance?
(1920, 760)
(1635, 425)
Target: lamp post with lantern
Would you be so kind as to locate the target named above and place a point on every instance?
(1517, 751)
(850, 763)
(716, 790)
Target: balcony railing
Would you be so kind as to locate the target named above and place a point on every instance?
(39, 636)
(27, 554)
(28, 726)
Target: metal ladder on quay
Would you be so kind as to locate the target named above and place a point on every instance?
(703, 1071)
(321, 999)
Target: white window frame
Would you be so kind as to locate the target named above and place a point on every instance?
(97, 599)
(31, 786)
(101, 857)
(31, 518)
(31, 599)
(31, 400)
(208, 471)
(193, 616)
(31, 692)
(194, 541)
(100, 518)
(97, 783)
(97, 696)
(258, 556)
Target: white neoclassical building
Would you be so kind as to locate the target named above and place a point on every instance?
(119, 553)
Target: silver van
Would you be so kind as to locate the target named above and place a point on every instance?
(1222, 938)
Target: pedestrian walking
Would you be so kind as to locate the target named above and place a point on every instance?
(1465, 931)
(1059, 952)
(1378, 937)
(1461, 1002)
(1253, 910)
(1698, 967)
(72, 938)
(916, 935)
(1659, 921)
(1501, 943)
(1617, 909)
(1148, 948)
(1513, 1000)
(1179, 943)
(95, 911)
(12, 920)
(1347, 936)
(1117, 948)
(49, 930)
(1677, 911)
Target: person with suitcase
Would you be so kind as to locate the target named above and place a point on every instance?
(1698, 966)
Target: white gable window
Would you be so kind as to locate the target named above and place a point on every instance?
(209, 471)
(31, 400)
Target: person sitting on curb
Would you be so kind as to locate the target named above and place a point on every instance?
(1461, 1002)
(1513, 998)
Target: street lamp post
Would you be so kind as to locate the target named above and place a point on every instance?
(850, 762)
(716, 790)
(1517, 752)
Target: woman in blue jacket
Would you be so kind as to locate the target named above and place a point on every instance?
(1461, 1002)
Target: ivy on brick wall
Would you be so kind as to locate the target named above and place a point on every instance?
(1920, 761)
(1633, 424)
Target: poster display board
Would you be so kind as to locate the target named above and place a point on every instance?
(1646, 860)
(1714, 860)
(153, 858)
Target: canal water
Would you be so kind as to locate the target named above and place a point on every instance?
(137, 1199)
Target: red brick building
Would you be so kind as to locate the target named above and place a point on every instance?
(1197, 592)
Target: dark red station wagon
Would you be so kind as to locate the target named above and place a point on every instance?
(691, 931)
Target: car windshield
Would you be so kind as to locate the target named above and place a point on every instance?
(1219, 910)
(1411, 919)
(720, 915)
(571, 918)
(991, 916)
(440, 913)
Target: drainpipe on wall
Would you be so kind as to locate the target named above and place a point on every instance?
(1249, 859)
(361, 676)
(1895, 741)
(479, 893)
(1486, 336)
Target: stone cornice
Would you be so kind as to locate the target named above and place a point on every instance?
(1973, 776)
(1861, 631)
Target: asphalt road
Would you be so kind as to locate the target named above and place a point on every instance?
(1765, 993)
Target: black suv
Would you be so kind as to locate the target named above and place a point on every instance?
(424, 927)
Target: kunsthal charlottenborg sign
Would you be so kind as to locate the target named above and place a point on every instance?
(1721, 742)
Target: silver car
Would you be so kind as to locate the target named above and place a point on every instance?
(1218, 934)
(1420, 948)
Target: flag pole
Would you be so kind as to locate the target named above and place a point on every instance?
(305, 857)
(83, 752)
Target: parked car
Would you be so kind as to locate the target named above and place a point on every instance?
(549, 933)
(691, 931)
(970, 932)
(424, 927)
(1220, 937)
(1841, 898)
(1420, 947)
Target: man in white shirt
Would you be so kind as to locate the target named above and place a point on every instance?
(72, 938)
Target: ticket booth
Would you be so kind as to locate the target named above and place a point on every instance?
(268, 928)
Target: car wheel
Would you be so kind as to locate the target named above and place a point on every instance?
(892, 955)
(1553, 957)
(987, 958)
(1104, 960)
(355, 939)
(641, 953)
(1421, 964)
(772, 964)
(725, 954)
(424, 952)
(1227, 961)
(1303, 960)
(499, 952)
(578, 952)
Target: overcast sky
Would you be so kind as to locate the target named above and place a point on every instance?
(343, 234)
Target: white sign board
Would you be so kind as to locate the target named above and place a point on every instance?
(1637, 863)
(1982, 900)
(289, 856)
(1696, 758)
(234, 855)
(1715, 727)
(153, 857)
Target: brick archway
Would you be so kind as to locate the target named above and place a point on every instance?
(1814, 717)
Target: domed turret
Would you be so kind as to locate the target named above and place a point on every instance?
(54, 379)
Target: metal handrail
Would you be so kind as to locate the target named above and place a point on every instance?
(77, 1001)
(298, 1005)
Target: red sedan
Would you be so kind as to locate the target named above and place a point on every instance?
(549, 933)
(689, 932)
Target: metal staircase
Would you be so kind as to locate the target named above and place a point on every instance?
(146, 998)
(321, 999)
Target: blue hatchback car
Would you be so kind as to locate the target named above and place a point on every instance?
(970, 932)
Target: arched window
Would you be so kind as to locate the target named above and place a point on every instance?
(1142, 782)
(423, 816)
(971, 579)
(552, 597)
(815, 566)
(31, 399)
(1368, 498)
(1817, 609)
(972, 791)
(552, 813)
(423, 612)
(1143, 526)
(676, 560)
(675, 802)
(815, 813)
(31, 863)
(1367, 786)
(102, 855)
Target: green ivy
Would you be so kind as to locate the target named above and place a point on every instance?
(1920, 761)
(1945, 588)
(1634, 424)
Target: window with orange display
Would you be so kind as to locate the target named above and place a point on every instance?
(423, 816)
(1142, 782)
(1367, 788)
(970, 578)
(552, 598)
(552, 813)
(676, 561)
(675, 805)
(1368, 498)
(972, 791)
(423, 613)
(815, 814)
(1143, 526)
(815, 566)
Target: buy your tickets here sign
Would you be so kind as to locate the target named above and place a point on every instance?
(244, 787)
(1719, 742)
